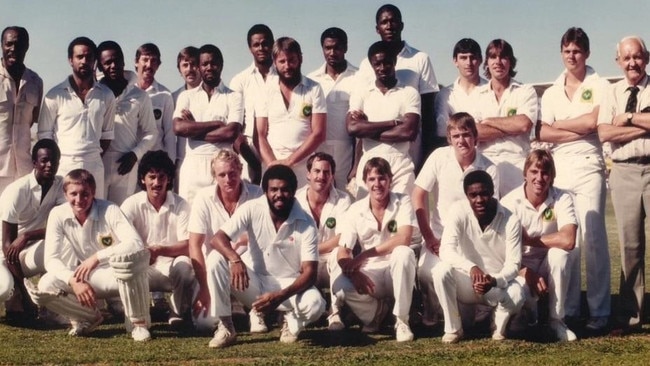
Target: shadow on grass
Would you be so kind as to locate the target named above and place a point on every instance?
(345, 338)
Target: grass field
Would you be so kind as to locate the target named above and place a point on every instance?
(110, 345)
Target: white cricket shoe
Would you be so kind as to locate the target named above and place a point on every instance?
(402, 331)
(257, 322)
(561, 331)
(140, 334)
(334, 323)
(83, 328)
(224, 336)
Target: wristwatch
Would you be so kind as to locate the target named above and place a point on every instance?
(629, 118)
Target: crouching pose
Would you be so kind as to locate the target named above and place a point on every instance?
(480, 253)
(92, 252)
(382, 223)
(283, 250)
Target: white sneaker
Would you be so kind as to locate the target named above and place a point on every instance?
(223, 337)
(561, 331)
(402, 331)
(334, 323)
(286, 336)
(257, 322)
(83, 328)
(140, 334)
(452, 337)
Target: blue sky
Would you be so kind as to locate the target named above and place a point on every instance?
(533, 28)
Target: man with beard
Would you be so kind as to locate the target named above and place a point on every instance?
(25, 206)
(21, 91)
(291, 117)
(251, 84)
(386, 116)
(210, 117)
(147, 62)
(80, 114)
(480, 253)
(135, 126)
(413, 68)
(336, 77)
(283, 247)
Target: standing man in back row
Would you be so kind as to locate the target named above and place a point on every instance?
(336, 77)
(413, 68)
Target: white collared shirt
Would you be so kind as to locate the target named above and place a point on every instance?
(360, 225)
(393, 105)
(209, 214)
(223, 105)
(288, 128)
(105, 232)
(553, 214)
(337, 95)
(556, 106)
(276, 253)
(453, 99)
(78, 126)
(251, 85)
(163, 110)
(516, 99)
(497, 250)
(19, 106)
(442, 175)
(22, 205)
(336, 205)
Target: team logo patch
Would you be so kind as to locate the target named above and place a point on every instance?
(392, 226)
(549, 214)
(512, 112)
(105, 239)
(587, 96)
(330, 223)
(306, 110)
(157, 113)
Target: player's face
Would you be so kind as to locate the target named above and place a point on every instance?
(498, 65)
(210, 69)
(467, 65)
(147, 65)
(632, 60)
(479, 197)
(14, 49)
(155, 182)
(280, 197)
(320, 176)
(45, 165)
(334, 51)
(389, 27)
(261, 48)
(378, 185)
(82, 61)
(112, 64)
(574, 57)
(538, 180)
(383, 66)
(287, 64)
(80, 197)
(462, 141)
(189, 71)
(227, 176)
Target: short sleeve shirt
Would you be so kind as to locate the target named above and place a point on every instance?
(453, 99)
(336, 205)
(166, 226)
(251, 85)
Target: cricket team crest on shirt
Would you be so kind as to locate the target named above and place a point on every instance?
(548, 214)
(157, 113)
(512, 112)
(106, 239)
(330, 223)
(305, 112)
(587, 96)
(392, 226)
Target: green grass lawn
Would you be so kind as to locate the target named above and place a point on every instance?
(109, 344)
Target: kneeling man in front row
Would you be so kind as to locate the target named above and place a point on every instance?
(283, 248)
(92, 252)
(480, 254)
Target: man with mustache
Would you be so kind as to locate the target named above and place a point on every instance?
(160, 217)
(282, 268)
(21, 91)
(291, 117)
(210, 118)
(147, 62)
(336, 77)
(624, 122)
(135, 126)
(79, 114)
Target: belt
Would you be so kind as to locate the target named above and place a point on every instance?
(642, 160)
